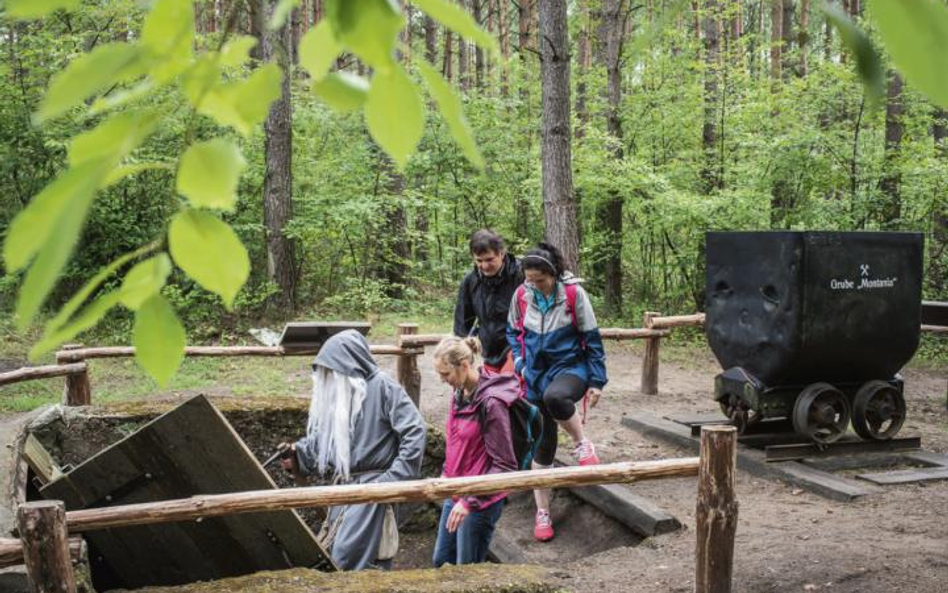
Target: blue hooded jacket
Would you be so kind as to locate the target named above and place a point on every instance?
(551, 344)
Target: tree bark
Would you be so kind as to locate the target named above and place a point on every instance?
(559, 201)
(711, 173)
(803, 35)
(431, 40)
(479, 67)
(788, 36)
(503, 30)
(447, 68)
(42, 527)
(716, 510)
(278, 177)
(776, 41)
(584, 63)
(894, 130)
(463, 59)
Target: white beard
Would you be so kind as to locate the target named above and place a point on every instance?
(333, 411)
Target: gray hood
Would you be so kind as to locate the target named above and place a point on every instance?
(348, 353)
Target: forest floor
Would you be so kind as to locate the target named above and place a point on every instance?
(787, 539)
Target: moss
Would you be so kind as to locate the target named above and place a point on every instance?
(478, 578)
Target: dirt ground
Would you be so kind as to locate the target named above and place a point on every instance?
(787, 539)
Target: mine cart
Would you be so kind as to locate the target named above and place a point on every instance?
(814, 327)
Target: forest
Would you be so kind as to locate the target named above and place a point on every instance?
(621, 130)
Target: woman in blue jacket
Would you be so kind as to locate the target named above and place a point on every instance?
(558, 352)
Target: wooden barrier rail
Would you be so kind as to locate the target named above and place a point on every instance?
(42, 372)
(44, 526)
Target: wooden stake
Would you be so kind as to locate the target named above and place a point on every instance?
(716, 514)
(650, 361)
(42, 528)
(436, 489)
(78, 390)
(406, 366)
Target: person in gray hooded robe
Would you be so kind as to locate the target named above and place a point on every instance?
(362, 428)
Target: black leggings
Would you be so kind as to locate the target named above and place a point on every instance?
(559, 403)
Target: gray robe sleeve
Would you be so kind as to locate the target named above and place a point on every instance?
(307, 454)
(407, 422)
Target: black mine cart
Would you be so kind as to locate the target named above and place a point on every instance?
(814, 327)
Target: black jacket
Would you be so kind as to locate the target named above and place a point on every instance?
(486, 301)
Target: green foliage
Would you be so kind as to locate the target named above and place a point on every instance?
(342, 91)
(915, 33)
(867, 60)
(452, 111)
(394, 113)
(37, 8)
(159, 339)
(318, 50)
(209, 251)
(209, 174)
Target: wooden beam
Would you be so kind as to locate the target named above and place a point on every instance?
(41, 372)
(695, 320)
(935, 329)
(42, 528)
(716, 513)
(420, 340)
(649, 384)
(637, 333)
(223, 351)
(411, 491)
(406, 365)
(11, 551)
(40, 461)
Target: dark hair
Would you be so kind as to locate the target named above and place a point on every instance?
(544, 257)
(486, 240)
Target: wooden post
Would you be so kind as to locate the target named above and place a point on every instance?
(406, 366)
(42, 528)
(650, 361)
(78, 390)
(716, 514)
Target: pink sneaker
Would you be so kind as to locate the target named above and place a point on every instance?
(543, 527)
(586, 452)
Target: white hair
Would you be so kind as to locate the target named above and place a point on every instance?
(333, 411)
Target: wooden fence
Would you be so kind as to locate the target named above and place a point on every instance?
(44, 527)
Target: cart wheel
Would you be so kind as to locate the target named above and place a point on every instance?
(821, 413)
(878, 411)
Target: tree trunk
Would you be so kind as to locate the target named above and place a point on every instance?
(584, 63)
(526, 40)
(477, 9)
(711, 173)
(503, 29)
(612, 37)
(463, 76)
(392, 248)
(803, 35)
(787, 21)
(894, 130)
(776, 41)
(448, 69)
(559, 202)
(827, 38)
(431, 40)
(938, 271)
(278, 177)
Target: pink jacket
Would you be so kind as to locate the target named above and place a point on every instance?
(478, 434)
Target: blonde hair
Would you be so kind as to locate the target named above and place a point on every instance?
(453, 350)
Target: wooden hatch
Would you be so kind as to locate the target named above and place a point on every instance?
(190, 450)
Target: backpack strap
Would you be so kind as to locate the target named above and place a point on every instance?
(571, 307)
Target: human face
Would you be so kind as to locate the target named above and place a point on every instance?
(540, 280)
(490, 262)
(453, 376)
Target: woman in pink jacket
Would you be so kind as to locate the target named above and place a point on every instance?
(478, 442)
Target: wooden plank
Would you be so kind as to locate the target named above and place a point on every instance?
(754, 461)
(861, 461)
(906, 476)
(927, 458)
(40, 461)
(41, 372)
(187, 451)
(619, 502)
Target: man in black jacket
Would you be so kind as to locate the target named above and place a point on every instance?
(484, 298)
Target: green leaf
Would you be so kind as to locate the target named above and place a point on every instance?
(367, 28)
(208, 250)
(236, 52)
(144, 280)
(31, 9)
(245, 103)
(318, 50)
(85, 320)
(449, 104)
(159, 339)
(201, 77)
(114, 138)
(122, 97)
(458, 20)
(395, 114)
(342, 90)
(280, 12)
(209, 174)
(36, 224)
(868, 63)
(55, 234)
(91, 286)
(88, 75)
(915, 33)
(168, 37)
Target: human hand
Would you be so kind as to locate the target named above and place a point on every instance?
(458, 513)
(593, 394)
(288, 458)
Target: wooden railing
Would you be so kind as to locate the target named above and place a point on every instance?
(44, 527)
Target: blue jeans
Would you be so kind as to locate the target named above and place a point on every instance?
(469, 543)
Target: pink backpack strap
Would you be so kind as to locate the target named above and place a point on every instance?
(521, 306)
(571, 307)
